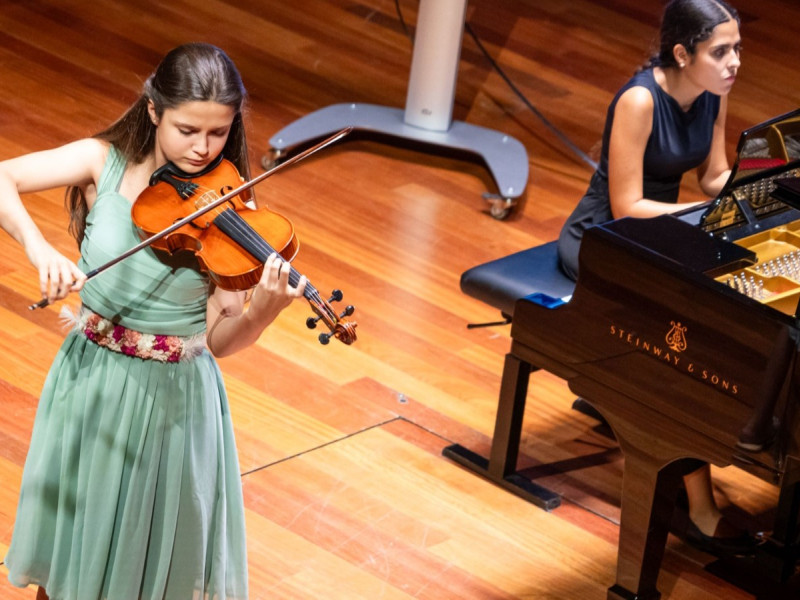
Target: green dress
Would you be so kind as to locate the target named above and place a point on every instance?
(131, 488)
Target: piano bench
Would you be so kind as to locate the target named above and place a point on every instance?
(501, 282)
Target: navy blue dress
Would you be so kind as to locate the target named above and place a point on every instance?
(679, 142)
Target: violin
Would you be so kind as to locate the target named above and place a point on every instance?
(206, 213)
(231, 242)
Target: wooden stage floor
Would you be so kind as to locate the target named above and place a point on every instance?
(347, 493)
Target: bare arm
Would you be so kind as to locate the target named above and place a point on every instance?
(77, 163)
(231, 328)
(715, 170)
(633, 123)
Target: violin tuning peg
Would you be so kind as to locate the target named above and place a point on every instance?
(311, 322)
(324, 338)
(336, 296)
(348, 311)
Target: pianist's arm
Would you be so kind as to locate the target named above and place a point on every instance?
(714, 172)
(633, 123)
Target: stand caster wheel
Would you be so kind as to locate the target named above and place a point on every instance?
(499, 207)
(272, 158)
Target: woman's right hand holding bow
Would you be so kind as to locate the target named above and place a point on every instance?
(58, 275)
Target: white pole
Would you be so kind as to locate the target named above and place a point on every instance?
(434, 64)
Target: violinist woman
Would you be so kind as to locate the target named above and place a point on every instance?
(131, 487)
(667, 120)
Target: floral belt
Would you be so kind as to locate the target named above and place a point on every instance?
(115, 337)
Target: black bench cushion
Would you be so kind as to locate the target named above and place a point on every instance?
(501, 282)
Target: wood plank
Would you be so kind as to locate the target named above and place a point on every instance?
(348, 495)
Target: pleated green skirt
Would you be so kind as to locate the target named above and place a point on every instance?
(131, 488)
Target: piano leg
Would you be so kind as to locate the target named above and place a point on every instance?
(772, 572)
(502, 464)
(648, 498)
(777, 557)
(774, 565)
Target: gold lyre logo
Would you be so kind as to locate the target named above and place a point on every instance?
(676, 337)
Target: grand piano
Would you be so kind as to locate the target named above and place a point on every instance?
(682, 332)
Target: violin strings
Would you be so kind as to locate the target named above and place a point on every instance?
(247, 234)
(231, 223)
(249, 237)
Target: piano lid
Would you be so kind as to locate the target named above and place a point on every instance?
(765, 152)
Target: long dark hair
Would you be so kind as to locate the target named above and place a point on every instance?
(689, 22)
(191, 72)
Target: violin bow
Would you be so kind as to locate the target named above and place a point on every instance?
(209, 207)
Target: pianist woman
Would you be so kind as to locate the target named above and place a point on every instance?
(667, 120)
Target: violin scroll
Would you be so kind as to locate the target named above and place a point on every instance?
(337, 325)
